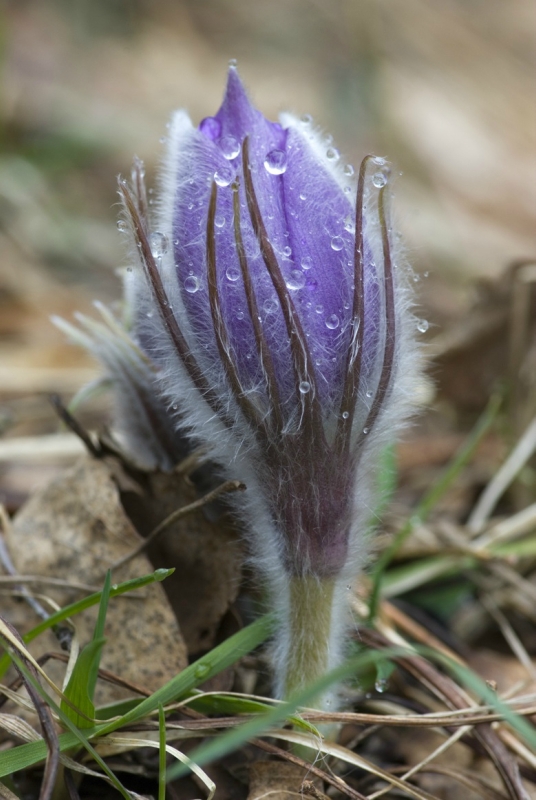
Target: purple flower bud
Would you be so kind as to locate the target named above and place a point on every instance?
(269, 299)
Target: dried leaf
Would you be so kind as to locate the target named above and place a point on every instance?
(74, 529)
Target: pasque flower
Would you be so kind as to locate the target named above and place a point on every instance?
(266, 295)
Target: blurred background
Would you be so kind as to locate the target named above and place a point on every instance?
(444, 88)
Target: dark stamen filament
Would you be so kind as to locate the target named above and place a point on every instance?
(159, 293)
(390, 322)
(249, 409)
(312, 415)
(355, 351)
(262, 346)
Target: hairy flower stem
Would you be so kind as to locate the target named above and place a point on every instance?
(309, 634)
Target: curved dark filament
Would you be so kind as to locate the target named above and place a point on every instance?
(263, 350)
(312, 414)
(249, 409)
(138, 184)
(355, 351)
(390, 324)
(159, 293)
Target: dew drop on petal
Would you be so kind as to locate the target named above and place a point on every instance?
(191, 284)
(303, 196)
(232, 63)
(296, 280)
(332, 322)
(337, 243)
(275, 162)
(229, 147)
(423, 325)
(379, 161)
(311, 284)
(240, 315)
(223, 176)
(306, 262)
(380, 179)
(365, 431)
(319, 309)
(347, 190)
(287, 251)
(122, 226)
(219, 220)
(332, 154)
(270, 306)
(349, 224)
(306, 119)
(158, 242)
(369, 394)
(345, 415)
(348, 170)
(232, 274)
(305, 387)
(380, 685)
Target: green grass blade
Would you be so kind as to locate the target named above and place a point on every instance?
(162, 754)
(98, 634)
(220, 658)
(78, 689)
(87, 602)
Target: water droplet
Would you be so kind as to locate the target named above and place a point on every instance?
(296, 280)
(347, 190)
(270, 306)
(129, 269)
(423, 325)
(122, 226)
(163, 139)
(306, 119)
(311, 284)
(287, 251)
(348, 170)
(379, 161)
(380, 179)
(349, 224)
(306, 262)
(158, 242)
(219, 220)
(240, 315)
(275, 162)
(369, 394)
(332, 154)
(191, 284)
(223, 176)
(174, 406)
(345, 415)
(380, 685)
(337, 243)
(425, 274)
(232, 274)
(303, 196)
(202, 670)
(332, 322)
(365, 431)
(305, 387)
(319, 309)
(232, 63)
(230, 147)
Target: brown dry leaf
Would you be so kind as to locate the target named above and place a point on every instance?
(277, 780)
(204, 549)
(75, 529)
